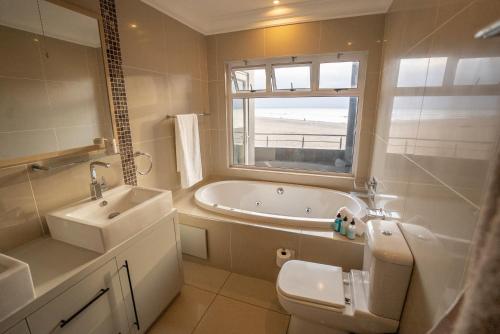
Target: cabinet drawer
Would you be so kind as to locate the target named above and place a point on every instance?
(20, 328)
(94, 305)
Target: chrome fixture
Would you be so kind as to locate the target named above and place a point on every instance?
(150, 159)
(308, 210)
(372, 188)
(492, 30)
(175, 116)
(96, 187)
(280, 191)
(380, 214)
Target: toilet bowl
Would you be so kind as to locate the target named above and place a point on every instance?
(323, 299)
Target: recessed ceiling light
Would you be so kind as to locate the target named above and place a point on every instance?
(133, 25)
(276, 2)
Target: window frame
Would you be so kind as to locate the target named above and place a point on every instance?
(315, 91)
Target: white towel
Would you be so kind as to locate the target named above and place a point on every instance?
(187, 149)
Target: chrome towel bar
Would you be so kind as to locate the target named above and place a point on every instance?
(174, 116)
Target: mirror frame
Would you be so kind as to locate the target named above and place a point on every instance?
(83, 149)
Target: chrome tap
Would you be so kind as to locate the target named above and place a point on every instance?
(96, 186)
(372, 188)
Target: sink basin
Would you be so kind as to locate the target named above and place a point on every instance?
(101, 224)
(16, 285)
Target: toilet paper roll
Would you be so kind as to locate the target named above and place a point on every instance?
(283, 255)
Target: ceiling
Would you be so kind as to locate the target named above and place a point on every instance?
(218, 16)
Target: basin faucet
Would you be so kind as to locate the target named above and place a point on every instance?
(95, 186)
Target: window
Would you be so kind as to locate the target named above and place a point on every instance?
(304, 118)
(292, 77)
(339, 75)
(249, 79)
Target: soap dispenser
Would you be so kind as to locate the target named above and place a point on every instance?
(351, 230)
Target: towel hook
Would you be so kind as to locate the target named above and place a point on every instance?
(150, 158)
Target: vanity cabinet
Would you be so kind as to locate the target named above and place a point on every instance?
(94, 305)
(150, 266)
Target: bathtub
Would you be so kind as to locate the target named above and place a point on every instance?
(277, 203)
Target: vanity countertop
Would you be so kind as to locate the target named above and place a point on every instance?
(55, 266)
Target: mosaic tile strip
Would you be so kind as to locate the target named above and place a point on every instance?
(119, 97)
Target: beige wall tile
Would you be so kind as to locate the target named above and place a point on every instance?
(64, 61)
(19, 98)
(345, 254)
(362, 33)
(428, 172)
(145, 45)
(294, 39)
(147, 98)
(212, 57)
(218, 240)
(19, 220)
(77, 136)
(20, 54)
(239, 45)
(184, 52)
(164, 173)
(253, 250)
(25, 143)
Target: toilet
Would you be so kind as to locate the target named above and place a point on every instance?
(323, 299)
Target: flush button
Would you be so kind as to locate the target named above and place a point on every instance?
(387, 233)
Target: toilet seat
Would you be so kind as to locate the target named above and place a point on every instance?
(312, 282)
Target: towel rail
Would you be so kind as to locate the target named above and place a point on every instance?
(174, 116)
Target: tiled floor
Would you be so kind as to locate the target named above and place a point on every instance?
(217, 301)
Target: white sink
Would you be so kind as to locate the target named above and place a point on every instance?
(101, 224)
(16, 285)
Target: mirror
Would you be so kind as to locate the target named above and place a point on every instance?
(53, 87)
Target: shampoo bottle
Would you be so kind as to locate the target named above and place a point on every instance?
(338, 223)
(343, 226)
(351, 230)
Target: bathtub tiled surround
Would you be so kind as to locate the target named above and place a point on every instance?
(436, 134)
(249, 248)
(233, 303)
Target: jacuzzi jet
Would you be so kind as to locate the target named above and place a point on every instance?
(113, 215)
(258, 203)
(308, 210)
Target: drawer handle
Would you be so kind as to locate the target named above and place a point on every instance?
(132, 295)
(99, 295)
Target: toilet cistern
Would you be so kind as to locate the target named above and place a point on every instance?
(96, 186)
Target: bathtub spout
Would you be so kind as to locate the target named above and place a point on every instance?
(381, 214)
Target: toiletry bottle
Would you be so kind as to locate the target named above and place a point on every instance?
(343, 226)
(351, 230)
(338, 222)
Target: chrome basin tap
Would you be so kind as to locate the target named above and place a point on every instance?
(96, 186)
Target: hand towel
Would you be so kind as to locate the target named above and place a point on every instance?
(187, 150)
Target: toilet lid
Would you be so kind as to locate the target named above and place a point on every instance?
(312, 282)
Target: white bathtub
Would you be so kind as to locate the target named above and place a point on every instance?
(278, 203)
